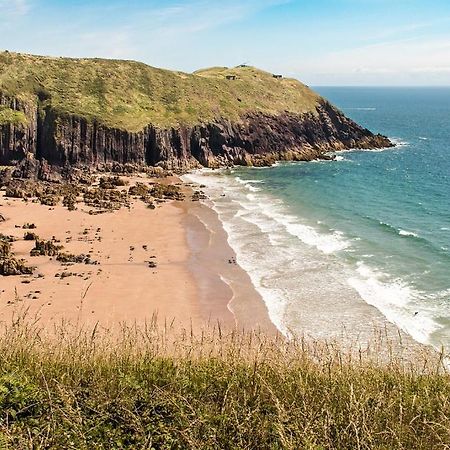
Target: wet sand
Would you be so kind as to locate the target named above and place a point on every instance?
(225, 289)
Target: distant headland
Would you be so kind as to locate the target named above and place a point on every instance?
(89, 112)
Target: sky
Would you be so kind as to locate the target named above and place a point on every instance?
(321, 42)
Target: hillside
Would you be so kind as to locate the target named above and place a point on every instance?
(92, 111)
(129, 95)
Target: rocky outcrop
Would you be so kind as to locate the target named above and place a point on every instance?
(261, 139)
(9, 265)
(257, 139)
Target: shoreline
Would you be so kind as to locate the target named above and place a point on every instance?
(212, 254)
(354, 324)
(196, 283)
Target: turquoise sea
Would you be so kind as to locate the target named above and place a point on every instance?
(373, 226)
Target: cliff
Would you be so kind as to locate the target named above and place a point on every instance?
(90, 112)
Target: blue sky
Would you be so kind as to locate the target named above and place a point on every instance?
(321, 42)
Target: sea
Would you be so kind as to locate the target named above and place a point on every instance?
(319, 239)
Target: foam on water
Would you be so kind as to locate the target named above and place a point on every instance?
(243, 181)
(396, 300)
(407, 233)
(392, 229)
(325, 242)
(399, 144)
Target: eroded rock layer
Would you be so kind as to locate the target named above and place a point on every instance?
(256, 139)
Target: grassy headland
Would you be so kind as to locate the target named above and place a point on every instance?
(154, 389)
(130, 95)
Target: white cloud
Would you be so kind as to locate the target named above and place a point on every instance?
(421, 61)
(11, 8)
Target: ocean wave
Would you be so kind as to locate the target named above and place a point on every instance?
(259, 267)
(275, 164)
(265, 213)
(383, 149)
(249, 184)
(325, 242)
(407, 233)
(385, 225)
(399, 142)
(396, 300)
(398, 231)
(245, 181)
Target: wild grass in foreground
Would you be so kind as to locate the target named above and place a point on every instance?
(153, 388)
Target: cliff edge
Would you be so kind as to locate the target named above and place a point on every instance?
(88, 112)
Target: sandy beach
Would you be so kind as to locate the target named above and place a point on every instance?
(195, 283)
(171, 265)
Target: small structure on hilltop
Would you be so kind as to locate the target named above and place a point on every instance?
(230, 77)
(278, 77)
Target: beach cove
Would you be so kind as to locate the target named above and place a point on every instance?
(172, 266)
(185, 289)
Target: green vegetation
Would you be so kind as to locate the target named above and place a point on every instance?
(130, 95)
(150, 388)
(10, 116)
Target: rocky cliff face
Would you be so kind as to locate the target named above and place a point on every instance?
(17, 140)
(258, 139)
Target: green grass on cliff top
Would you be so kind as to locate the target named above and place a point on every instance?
(130, 95)
(11, 116)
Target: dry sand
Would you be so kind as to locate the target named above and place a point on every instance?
(193, 284)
